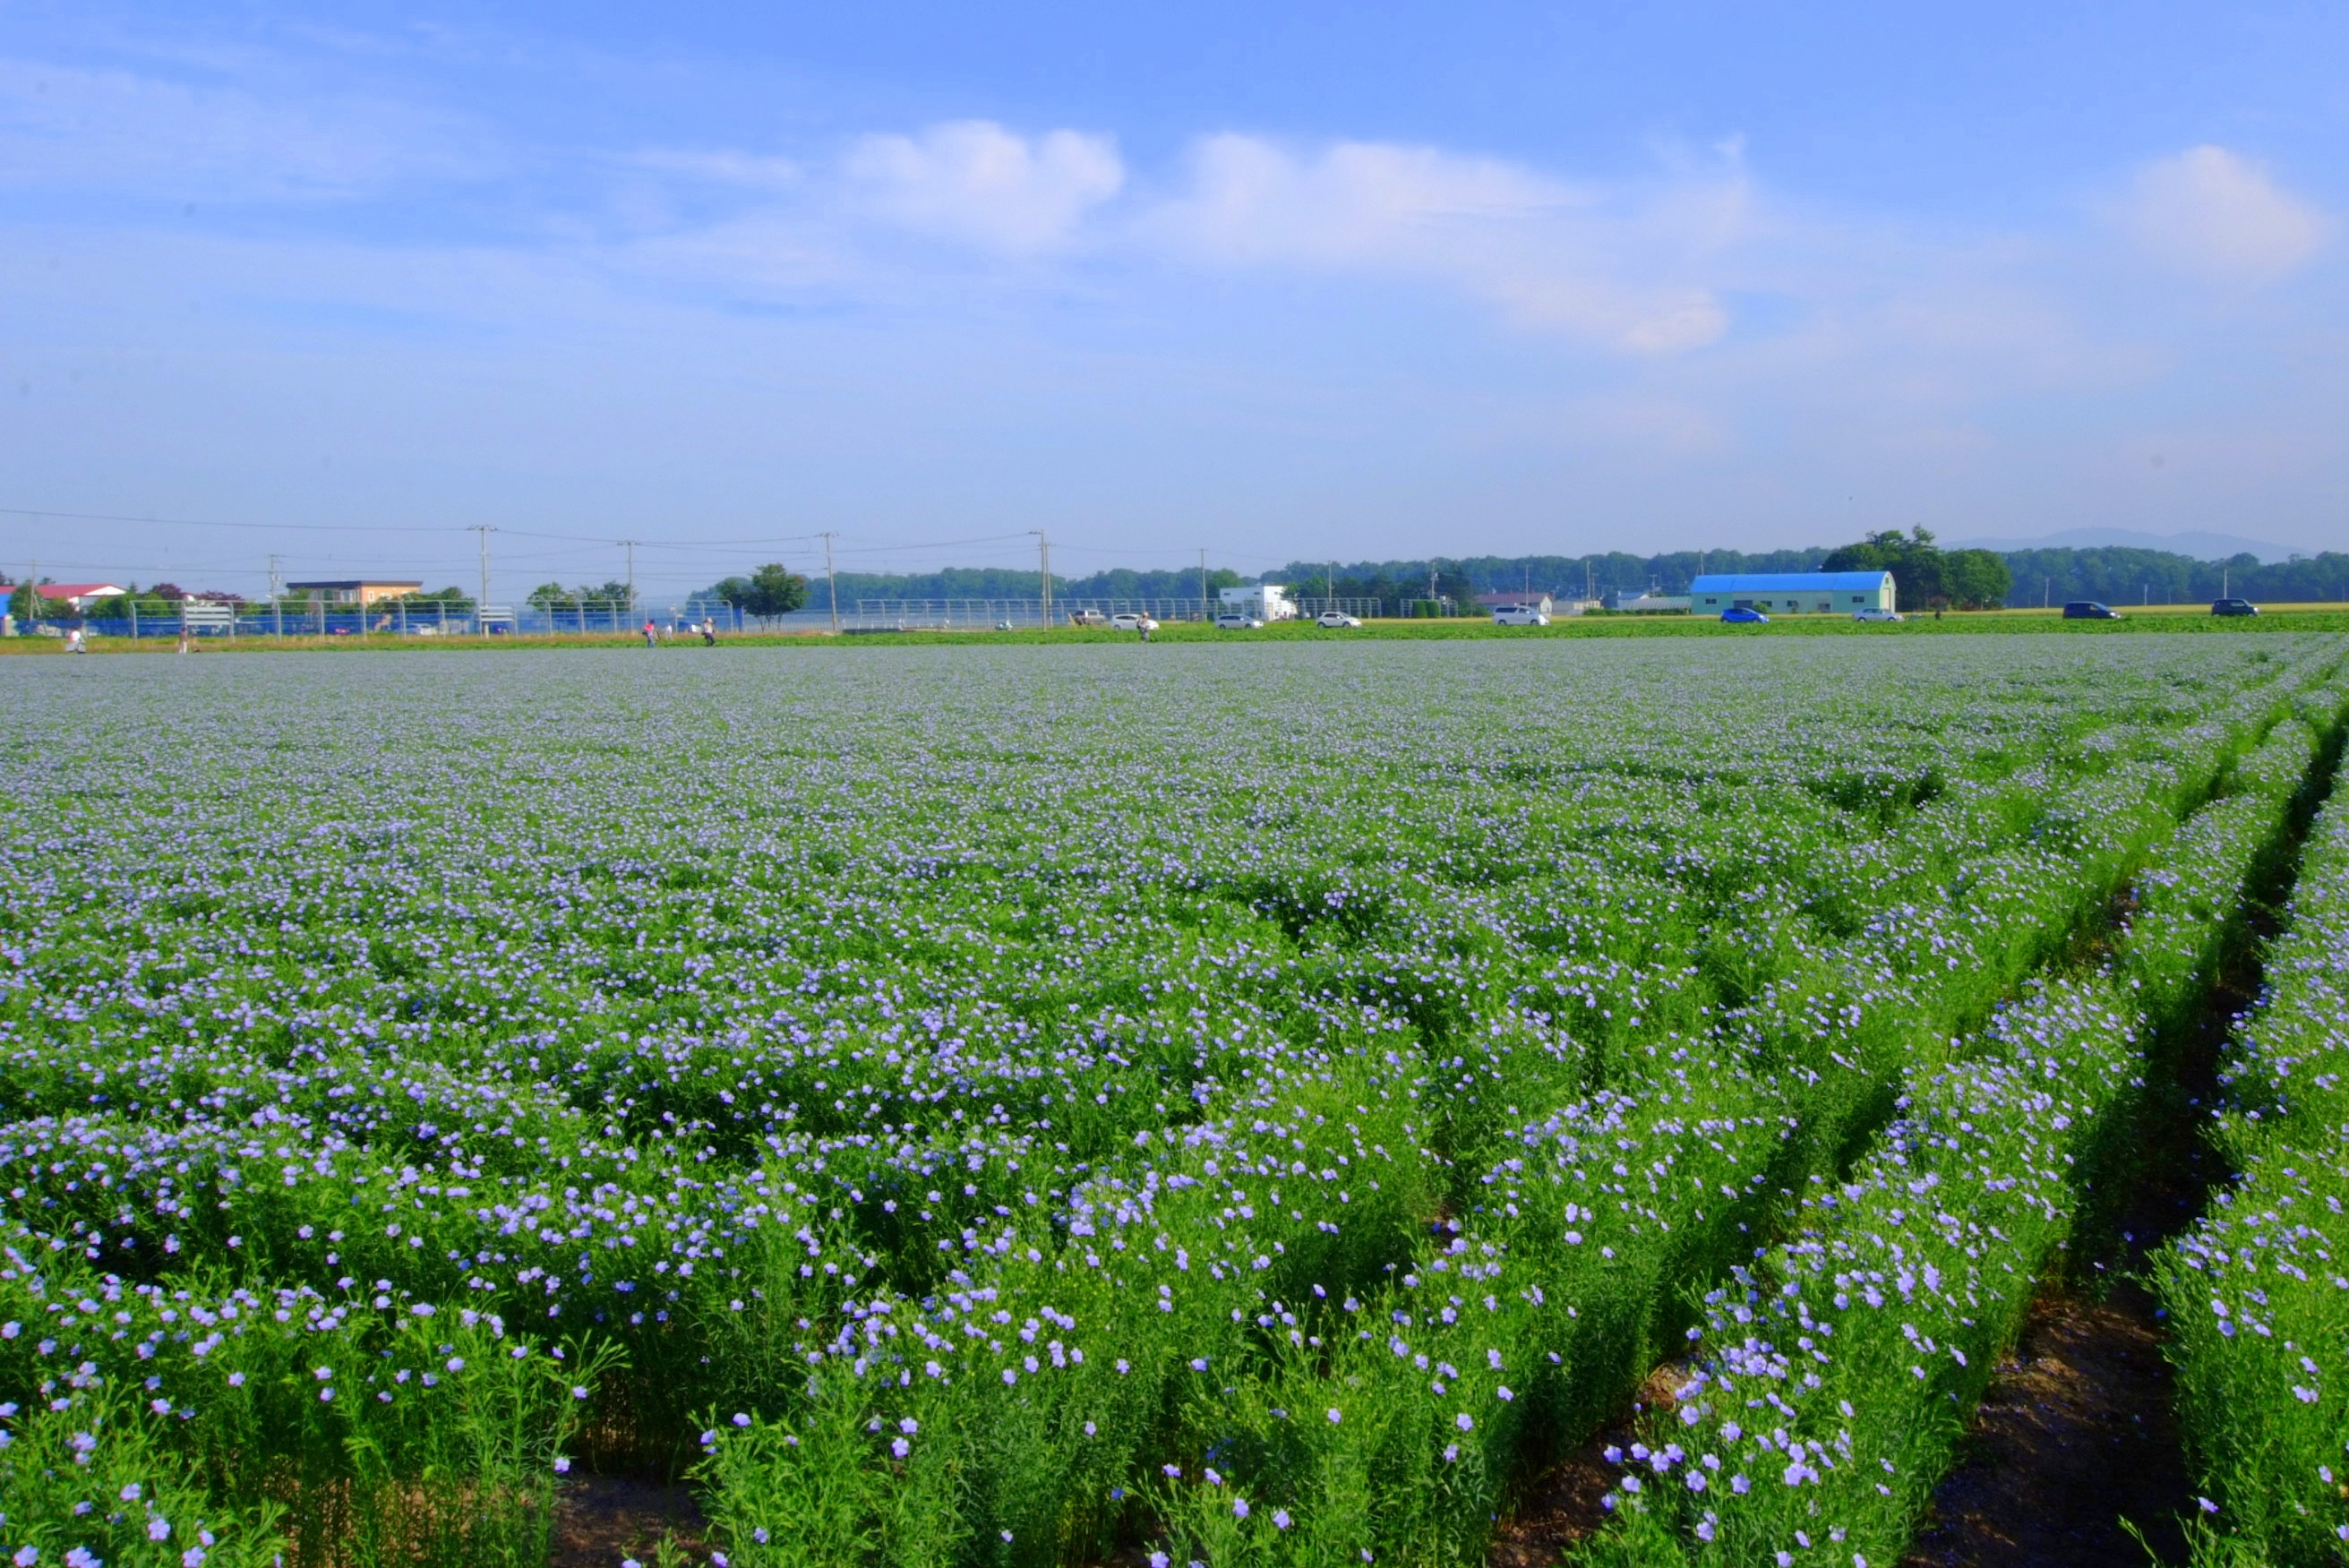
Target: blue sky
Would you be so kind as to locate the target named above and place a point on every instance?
(1334, 280)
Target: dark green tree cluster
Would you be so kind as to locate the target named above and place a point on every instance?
(455, 598)
(1924, 575)
(1394, 591)
(2118, 574)
(553, 596)
(770, 591)
(1174, 585)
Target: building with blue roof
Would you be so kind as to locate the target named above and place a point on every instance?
(1792, 593)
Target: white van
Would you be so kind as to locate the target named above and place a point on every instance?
(1519, 615)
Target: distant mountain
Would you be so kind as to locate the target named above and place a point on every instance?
(2200, 546)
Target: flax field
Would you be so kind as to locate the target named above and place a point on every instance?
(1027, 1107)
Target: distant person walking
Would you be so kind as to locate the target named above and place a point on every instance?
(709, 633)
(74, 643)
(652, 633)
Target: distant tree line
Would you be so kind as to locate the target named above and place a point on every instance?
(1923, 572)
(553, 597)
(1178, 583)
(2116, 574)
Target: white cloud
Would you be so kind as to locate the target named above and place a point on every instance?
(974, 180)
(2209, 211)
(1606, 265)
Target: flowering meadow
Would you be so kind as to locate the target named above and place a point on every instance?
(1029, 1105)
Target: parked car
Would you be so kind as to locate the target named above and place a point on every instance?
(1237, 621)
(1742, 615)
(1132, 621)
(2089, 610)
(1519, 615)
(1876, 616)
(1335, 620)
(2233, 607)
(1087, 618)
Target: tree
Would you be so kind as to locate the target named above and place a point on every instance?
(734, 592)
(1921, 576)
(769, 591)
(1976, 579)
(551, 596)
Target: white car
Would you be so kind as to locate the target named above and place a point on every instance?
(1519, 616)
(1235, 622)
(1128, 620)
(1876, 615)
(1335, 620)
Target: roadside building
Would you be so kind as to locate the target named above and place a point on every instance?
(359, 591)
(79, 597)
(1539, 602)
(1267, 601)
(1792, 593)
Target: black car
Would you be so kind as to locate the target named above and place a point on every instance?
(2089, 610)
(2233, 607)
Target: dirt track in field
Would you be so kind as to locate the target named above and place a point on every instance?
(2074, 1436)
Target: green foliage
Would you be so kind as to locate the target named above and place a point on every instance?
(553, 597)
(929, 1127)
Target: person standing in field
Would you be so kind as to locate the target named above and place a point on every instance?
(652, 633)
(709, 633)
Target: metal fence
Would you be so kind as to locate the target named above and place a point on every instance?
(910, 614)
(212, 619)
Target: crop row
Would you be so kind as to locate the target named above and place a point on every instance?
(2258, 1292)
(1830, 1382)
(381, 1132)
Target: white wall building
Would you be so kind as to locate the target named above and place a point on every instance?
(1265, 600)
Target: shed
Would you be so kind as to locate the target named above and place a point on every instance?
(1792, 593)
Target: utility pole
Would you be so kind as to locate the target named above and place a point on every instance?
(276, 600)
(1203, 585)
(482, 604)
(831, 581)
(1044, 574)
(2046, 591)
(630, 546)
